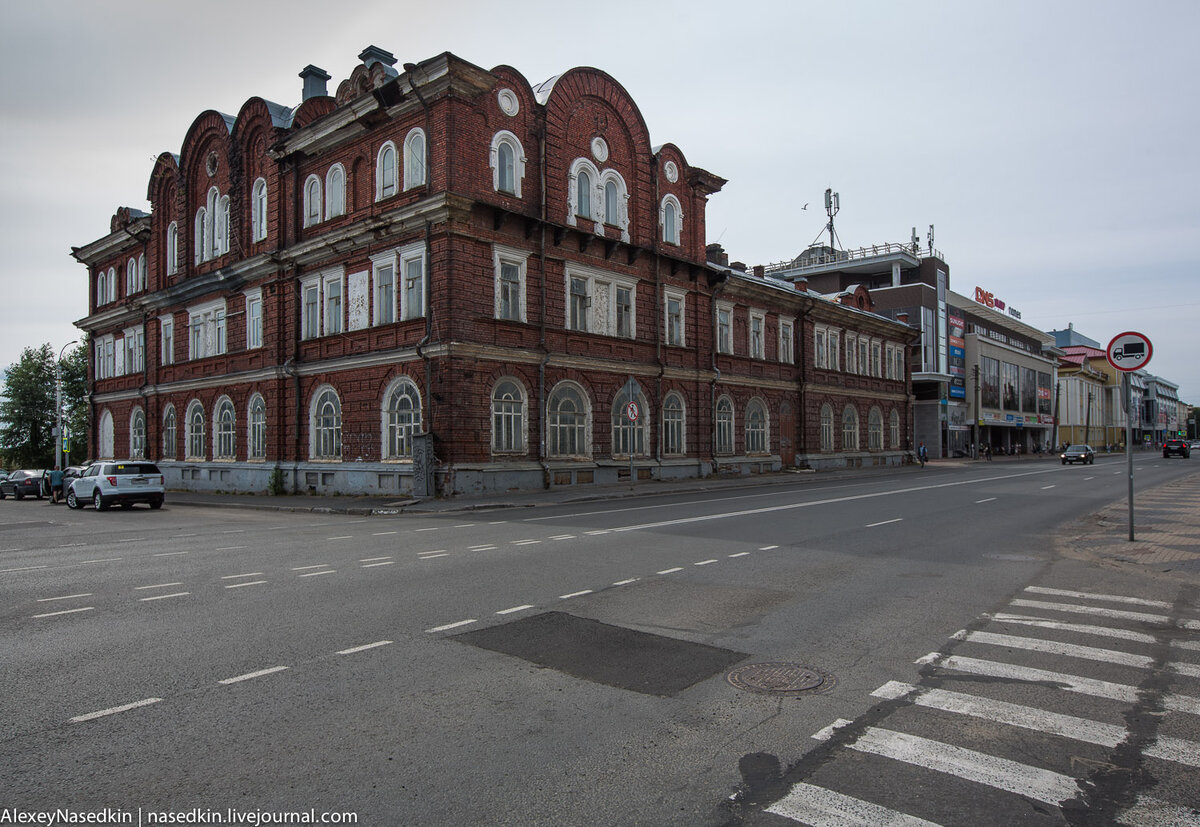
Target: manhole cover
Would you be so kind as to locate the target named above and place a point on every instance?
(779, 678)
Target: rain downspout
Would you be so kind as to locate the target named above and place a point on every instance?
(542, 309)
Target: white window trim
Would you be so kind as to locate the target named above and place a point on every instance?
(259, 203)
(212, 316)
(573, 192)
(520, 259)
(319, 280)
(332, 209)
(670, 198)
(760, 344)
(251, 454)
(217, 455)
(786, 348)
(682, 425)
(523, 439)
(333, 277)
(166, 336)
(409, 253)
(594, 277)
(312, 203)
(681, 297)
(411, 179)
(506, 137)
(255, 297)
(622, 202)
(385, 451)
(312, 424)
(172, 248)
(388, 259)
(380, 182)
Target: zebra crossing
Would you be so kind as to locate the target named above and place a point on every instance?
(1065, 704)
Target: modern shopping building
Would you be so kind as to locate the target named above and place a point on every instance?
(448, 279)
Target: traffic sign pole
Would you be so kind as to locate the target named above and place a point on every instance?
(1128, 352)
(1129, 445)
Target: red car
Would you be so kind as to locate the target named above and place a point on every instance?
(21, 484)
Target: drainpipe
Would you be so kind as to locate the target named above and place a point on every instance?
(542, 309)
(658, 321)
(712, 403)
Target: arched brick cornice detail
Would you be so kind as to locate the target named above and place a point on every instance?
(312, 110)
(164, 183)
(587, 82)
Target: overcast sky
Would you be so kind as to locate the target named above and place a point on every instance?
(1052, 144)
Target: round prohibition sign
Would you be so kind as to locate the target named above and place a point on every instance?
(1129, 351)
(631, 411)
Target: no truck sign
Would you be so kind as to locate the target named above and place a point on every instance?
(1129, 351)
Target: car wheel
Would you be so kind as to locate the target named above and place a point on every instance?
(73, 501)
(156, 504)
(19, 495)
(3, 496)
(99, 502)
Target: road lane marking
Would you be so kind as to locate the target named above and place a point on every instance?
(234, 531)
(515, 609)
(1053, 647)
(627, 582)
(452, 625)
(251, 583)
(252, 675)
(307, 568)
(525, 542)
(574, 594)
(156, 586)
(597, 532)
(1112, 598)
(1115, 614)
(563, 537)
(432, 556)
(885, 522)
(64, 597)
(170, 554)
(705, 562)
(236, 576)
(434, 528)
(25, 568)
(1000, 773)
(1047, 487)
(671, 571)
(768, 548)
(1081, 628)
(162, 596)
(810, 804)
(387, 533)
(465, 525)
(66, 612)
(343, 537)
(114, 710)
(105, 560)
(318, 573)
(374, 559)
(131, 540)
(392, 562)
(481, 548)
(741, 554)
(355, 649)
(988, 500)
(229, 548)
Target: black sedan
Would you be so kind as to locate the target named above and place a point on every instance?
(21, 484)
(1079, 453)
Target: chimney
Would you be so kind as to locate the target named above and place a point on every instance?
(760, 271)
(373, 54)
(315, 79)
(902, 318)
(740, 266)
(801, 285)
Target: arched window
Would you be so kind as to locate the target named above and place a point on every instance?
(673, 425)
(507, 159)
(616, 213)
(670, 217)
(723, 430)
(385, 172)
(849, 429)
(414, 159)
(195, 431)
(401, 418)
(567, 421)
(326, 425)
(169, 447)
(198, 233)
(630, 436)
(143, 272)
(826, 428)
(258, 210)
(172, 248)
(875, 430)
(137, 434)
(221, 229)
(225, 430)
(756, 427)
(508, 417)
(256, 437)
(131, 277)
(106, 436)
(312, 201)
(583, 199)
(611, 209)
(894, 427)
(335, 191)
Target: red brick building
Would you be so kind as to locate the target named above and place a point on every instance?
(447, 279)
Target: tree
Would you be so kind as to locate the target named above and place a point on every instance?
(74, 371)
(27, 410)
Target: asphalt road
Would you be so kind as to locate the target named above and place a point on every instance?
(565, 665)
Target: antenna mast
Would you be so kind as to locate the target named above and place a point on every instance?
(832, 205)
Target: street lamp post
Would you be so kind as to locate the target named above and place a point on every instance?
(58, 443)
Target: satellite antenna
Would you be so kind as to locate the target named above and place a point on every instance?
(916, 240)
(832, 205)
(930, 239)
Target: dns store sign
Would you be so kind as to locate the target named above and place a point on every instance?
(987, 299)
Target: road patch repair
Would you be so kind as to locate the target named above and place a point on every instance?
(603, 653)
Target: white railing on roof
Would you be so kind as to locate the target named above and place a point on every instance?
(834, 257)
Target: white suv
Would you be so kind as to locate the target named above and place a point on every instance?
(106, 483)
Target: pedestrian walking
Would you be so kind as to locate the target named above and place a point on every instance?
(922, 454)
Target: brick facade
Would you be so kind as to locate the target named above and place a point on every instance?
(462, 287)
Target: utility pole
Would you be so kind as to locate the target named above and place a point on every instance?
(977, 415)
(1087, 428)
(58, 429)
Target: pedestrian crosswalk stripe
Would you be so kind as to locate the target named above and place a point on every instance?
(1011, 776)
(1054, 647)
(1151, 812)
(825, 808)
(1112, 598)
(1059, 680)
(1082, 628)
(1099, 611)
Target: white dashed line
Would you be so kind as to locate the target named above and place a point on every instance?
(64, 597)
(26, 568)
(251, 583)
(432, 556)
(671, 571)
(156, 586)
(170, 554)
(251, 675)
(515, 609)
(563, 537)
(434, 528)
(343, 537)
(66, 612)
(741, 554)
(387, 533)
(318, 573)
(1047, 487)
(574, 594)
(525, 542)
(229, 548)
(162, 596)
(384, 563)
(452, 625)
(374, 559)
(355, 649)
(704, 563)
(465, 525)
(597, 532)
(885, 522)
(236, 576)
(105, 560)
(481, 548)
(768, 548)
(627, 582)
(234, 531)
(988, 500)
(306, 568)
(114, 710)
(131, 540)
(498, 522)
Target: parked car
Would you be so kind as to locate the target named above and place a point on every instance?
(1079, 453)
(123, 483)
(1195, 446)
(22, 484)
(1176, 446)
